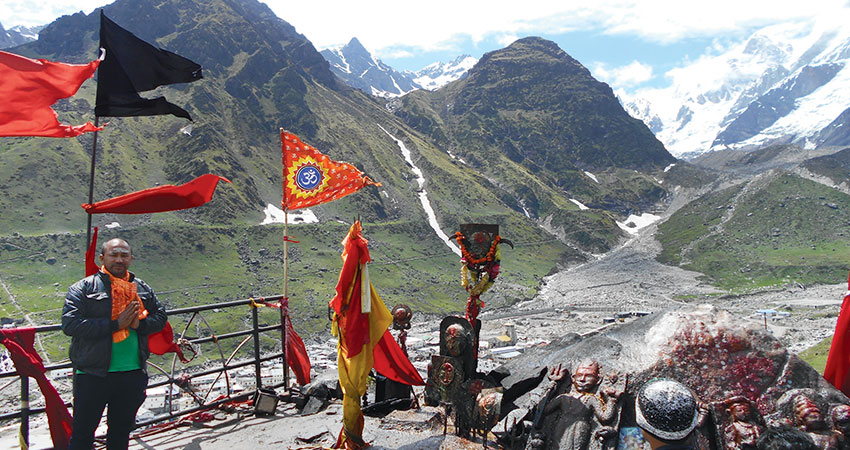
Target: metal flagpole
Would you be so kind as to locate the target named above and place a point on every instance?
(91, 182)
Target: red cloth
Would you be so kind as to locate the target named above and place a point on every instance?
(28, 363)
(162, 342)
(91, 265)
(353, 321)
(391, 362)
(838, 361)
(296, 352)
(161, 198)
(311, 178)
(28, 88)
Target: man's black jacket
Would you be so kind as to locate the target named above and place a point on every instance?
(87, 318)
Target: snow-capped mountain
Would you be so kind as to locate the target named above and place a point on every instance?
(18, 35)
(438, 74)
(359, 69)
(786, 83)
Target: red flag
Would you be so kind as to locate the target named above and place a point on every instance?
(91, 263)
(161, 198)
(311, 178)
(838, 361)
(28, 363)
(296, 354)
(28, 89)
(391, 362)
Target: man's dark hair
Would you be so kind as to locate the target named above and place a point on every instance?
(785, 438)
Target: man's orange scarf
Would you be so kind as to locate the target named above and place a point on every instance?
(123, 292)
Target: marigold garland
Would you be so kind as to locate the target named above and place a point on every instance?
(481, 284)
(489, 257)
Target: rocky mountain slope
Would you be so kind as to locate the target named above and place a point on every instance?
(359, 69)
(532, 121)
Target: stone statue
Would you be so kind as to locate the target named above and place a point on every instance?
(454, 365)
(586, 412)
(445, 377)
(807, 417)
(742, 431)
(488, 406)
(459, 339)
(841, 424)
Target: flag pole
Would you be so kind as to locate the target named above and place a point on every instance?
(284, 312)
(91, 181)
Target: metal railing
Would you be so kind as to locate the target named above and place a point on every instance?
(182, 381)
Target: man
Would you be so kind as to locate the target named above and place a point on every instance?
(667, 413)
(109, 316)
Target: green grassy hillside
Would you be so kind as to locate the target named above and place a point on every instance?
(775, 230)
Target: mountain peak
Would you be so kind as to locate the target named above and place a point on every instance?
(17, 35)
(354, 44)
(361, 70)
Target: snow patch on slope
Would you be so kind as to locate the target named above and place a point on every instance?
(423, 194)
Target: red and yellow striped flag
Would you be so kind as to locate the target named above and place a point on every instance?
(360, 320)
(311, 178)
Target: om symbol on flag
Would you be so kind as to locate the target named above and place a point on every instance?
(308, 177)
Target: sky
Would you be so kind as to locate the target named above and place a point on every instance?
(630, 44)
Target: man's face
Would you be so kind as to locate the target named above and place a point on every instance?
(585, 378)
(116, 257)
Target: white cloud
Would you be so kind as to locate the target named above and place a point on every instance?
(629, 75)
(507, 39)
(381, 24)
(30, 13)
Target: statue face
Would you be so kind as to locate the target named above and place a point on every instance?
(841, 416)
(812, 419)
(455, 339)
(740, 411)
(586, 378)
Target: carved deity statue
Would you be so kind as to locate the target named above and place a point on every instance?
(807, 417)
(586, 413)
(841, 424)
(742, 431)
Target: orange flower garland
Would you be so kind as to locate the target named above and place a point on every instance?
(468, 257)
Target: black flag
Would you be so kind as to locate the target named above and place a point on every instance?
(131, 65)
